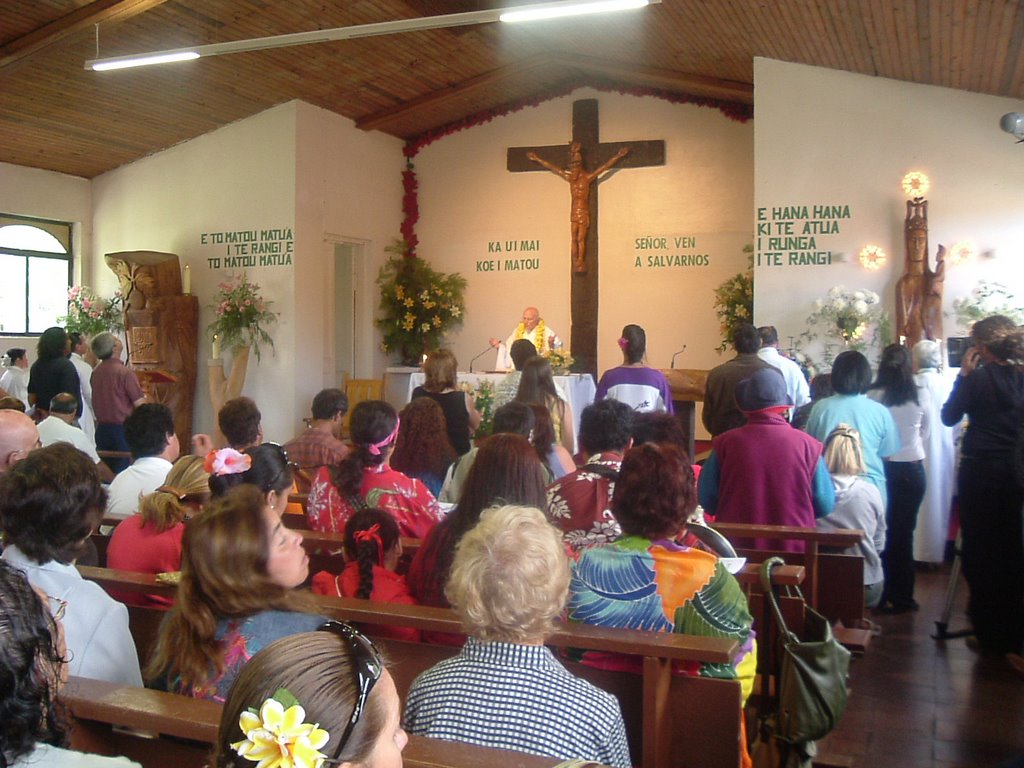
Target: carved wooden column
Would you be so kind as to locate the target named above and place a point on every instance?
(161, 325)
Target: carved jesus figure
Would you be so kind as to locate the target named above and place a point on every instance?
(580, 181)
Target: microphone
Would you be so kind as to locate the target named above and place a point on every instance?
(476, 357)
(673, 364)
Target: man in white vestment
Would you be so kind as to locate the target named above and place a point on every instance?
(932, 529)
(532, 328)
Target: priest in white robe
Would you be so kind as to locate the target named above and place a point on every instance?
(940, 458)
(532, 328)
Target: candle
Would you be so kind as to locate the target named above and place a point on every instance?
(216, 347)
(186, 286)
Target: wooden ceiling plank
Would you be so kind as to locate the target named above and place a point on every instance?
(1011, 82)
(57, 30)
(650, 76)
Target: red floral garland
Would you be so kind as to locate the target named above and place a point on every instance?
(410, 209)
(410, 201)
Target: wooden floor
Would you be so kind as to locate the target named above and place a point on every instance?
(916, 702)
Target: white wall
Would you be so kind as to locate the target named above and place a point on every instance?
(48, 195)
(830, 137)
(349, 190)
(285, 168)
(468, 199)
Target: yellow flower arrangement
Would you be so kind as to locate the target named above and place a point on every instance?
(418, 305)
(278, 738)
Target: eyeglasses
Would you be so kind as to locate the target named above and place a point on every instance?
(58, 607)
(368, 668)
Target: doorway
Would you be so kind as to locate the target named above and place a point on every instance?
(348, 269)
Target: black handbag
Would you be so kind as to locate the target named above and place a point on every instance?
(812, 672)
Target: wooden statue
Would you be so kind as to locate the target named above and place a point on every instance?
(919, 289)
(580, 182)
(161, 325)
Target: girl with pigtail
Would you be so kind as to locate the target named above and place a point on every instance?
(365, 478)
(373, 547)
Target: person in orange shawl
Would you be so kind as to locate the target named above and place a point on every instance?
(645, 580)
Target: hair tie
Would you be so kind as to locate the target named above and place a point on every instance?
(371, 534)
(623, 343)
(374, 448)
(227, 461)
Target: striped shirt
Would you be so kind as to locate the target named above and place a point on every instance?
(518, 697)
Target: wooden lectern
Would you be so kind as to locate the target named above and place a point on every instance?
(687, 386)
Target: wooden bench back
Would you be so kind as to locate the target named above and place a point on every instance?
(164, 730)
(654, 704)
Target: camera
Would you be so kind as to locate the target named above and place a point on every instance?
(957, 346)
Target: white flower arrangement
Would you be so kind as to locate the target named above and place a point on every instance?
(984, 300)
(846, 316)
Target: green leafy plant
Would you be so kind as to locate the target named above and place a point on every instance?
(88, 314)
(483, 398)
(734, 300)
(984, 300)
(418, 305)
(242, 314)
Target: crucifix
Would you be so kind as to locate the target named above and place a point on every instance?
(570, 162)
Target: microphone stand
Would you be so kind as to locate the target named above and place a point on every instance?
(673, 363)
(477, 357)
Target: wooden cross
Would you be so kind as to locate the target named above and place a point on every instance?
(641, 154)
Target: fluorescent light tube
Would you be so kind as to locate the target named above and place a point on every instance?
(519, 13)
(142, 60)
(559, 10)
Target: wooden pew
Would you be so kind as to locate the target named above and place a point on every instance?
(654, 704)
(164, 730)
(835, 581)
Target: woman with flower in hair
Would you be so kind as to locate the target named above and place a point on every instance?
(323, 697)
(372, 550)
(266, 466)
(239, 570)
(641, 388)
(422, 449)
(365, 478)
(150, 540)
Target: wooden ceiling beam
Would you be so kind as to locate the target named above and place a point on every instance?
(654, 77)
(657, 77)
(49, 34)
(436, 99)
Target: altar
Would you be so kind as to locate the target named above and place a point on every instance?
(399, 382)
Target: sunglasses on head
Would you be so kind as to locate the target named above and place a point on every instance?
(367, 667)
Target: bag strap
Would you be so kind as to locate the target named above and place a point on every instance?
(769, 592)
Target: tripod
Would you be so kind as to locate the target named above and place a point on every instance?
(942, 625)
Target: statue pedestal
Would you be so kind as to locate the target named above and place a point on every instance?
(223, 388)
